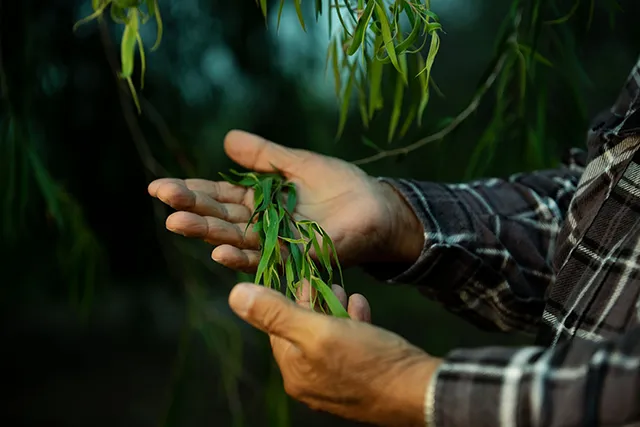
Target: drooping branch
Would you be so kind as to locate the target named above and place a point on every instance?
(512, 40)
(457, 121)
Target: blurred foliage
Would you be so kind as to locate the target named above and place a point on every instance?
(148, 338)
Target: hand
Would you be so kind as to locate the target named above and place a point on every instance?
(367, 220)
(346, 367)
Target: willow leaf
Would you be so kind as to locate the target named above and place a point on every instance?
(143, 60)
(431, 56)
(334, 305)
(376, 70)
(346, 101)
(128, 44)
(298, 4)
(366, 141)
(336, 68)
(388, 38)
(95, 15)
(118, 14)
(361, 28)
(154, 10)
(280, 9)
(292, 199)
(397, 108)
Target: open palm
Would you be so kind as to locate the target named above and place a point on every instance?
(359, 213)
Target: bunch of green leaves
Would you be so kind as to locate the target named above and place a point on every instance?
(371, 41)
(287, 244)
(131, 14)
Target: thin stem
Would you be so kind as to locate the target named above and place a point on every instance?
(460, 118)
(457, 121)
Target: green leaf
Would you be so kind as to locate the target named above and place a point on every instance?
(263, 8)
(247, 181)
(154, 10)
(387, 37)
(408, 120)
(292, 199)
(361, 28)
(334, 305)
(397, 105)
(128, 44)
(431, 56)
(375, 80)
(335, 258)
(95, 15)
(346, 100)
(339, 13)
(271, 222)
(299, 13)
(415, 31)
(290, 277)
(143, 60)
(118, 14)
(366, 141)
(336, 67)
(279, 15)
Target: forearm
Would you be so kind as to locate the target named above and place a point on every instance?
(575, 384)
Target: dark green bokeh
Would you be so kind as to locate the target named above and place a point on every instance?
(146, 338)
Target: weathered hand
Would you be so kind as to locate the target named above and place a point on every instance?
(346, 367)
(366, 219)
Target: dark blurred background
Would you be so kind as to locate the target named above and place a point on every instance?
(108, 319)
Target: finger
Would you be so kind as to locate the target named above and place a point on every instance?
(181, 198)
(359, 308)
(306, 295)
(213, 230)
(271, 312)
(221, 191)
(341, 294)
(236, 259)
(256, 153)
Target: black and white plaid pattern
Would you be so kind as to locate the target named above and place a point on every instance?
(553, 253)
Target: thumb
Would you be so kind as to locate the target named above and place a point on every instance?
(258, 154)
(269, 311)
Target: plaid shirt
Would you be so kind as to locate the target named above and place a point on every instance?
(554, 253)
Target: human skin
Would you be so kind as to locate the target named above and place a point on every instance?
(344, 366)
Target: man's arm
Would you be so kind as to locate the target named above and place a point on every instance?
(489, 244)
(575, 384)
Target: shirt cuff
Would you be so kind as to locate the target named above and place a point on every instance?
(430, 400)
(482, 387)
(423, 198)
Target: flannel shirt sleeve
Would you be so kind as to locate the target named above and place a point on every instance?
(489, 244)
(576, 384)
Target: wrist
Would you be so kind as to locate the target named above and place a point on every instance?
(407, 390)
(406, 233)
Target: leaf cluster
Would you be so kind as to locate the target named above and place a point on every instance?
(287, 244)
(371, 41)
(132, 14)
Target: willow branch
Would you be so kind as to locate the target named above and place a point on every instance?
(153, 168)
(457, 121)
(464, 115)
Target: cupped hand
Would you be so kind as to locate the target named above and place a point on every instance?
(367, 219)
(343, 366)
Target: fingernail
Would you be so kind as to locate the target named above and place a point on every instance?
(241, 298)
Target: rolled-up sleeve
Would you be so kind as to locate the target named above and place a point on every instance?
(576, 384)
(489, 244)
